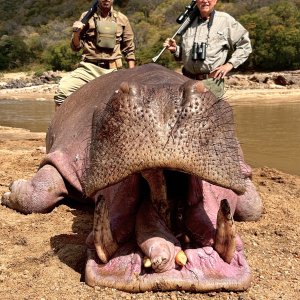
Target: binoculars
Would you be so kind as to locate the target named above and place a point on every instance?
(199, 51)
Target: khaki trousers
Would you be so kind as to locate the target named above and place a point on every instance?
(216, 86)
(74, 80)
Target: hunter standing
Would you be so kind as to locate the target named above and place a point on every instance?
(104, 41)
(212, 45)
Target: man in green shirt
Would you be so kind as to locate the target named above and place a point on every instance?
(206, 44)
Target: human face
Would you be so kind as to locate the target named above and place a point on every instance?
(206, 6)
(105, 4)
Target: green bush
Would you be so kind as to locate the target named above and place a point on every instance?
(276, 44)
(33, 33)
(14, 53)
(61, 56)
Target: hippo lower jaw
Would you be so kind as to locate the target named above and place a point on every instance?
(204, 272)
(162, 224)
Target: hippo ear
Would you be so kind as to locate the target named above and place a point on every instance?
(200, 87)
(192, 86)
(130, 89)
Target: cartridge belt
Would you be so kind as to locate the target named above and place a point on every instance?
(199, 76)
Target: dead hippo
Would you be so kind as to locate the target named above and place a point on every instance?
(157, 153)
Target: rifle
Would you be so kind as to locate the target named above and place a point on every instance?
(185, 19)
(89, 13)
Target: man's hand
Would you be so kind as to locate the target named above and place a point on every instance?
(170, 44)
(131, 63)
(78, 26)
(221, 71)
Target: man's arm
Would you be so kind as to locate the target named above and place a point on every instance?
(241, 44)
(77, 27)
(127, 44)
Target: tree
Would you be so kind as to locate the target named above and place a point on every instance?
(276, 44)
(14, 52)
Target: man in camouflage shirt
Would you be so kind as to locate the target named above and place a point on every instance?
(106, 38)
(206, 44)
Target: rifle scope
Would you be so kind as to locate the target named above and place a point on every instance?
(187, 11)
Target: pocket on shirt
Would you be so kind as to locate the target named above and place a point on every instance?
(219, 39)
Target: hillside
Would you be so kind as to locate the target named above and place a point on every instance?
(36, 34)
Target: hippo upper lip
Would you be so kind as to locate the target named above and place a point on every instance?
(193, 133)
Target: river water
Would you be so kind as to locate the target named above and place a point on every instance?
(269, 135)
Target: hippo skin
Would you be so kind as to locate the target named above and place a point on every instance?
(157, 154)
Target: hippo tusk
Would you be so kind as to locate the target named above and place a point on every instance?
(225, 239)
(103, 239)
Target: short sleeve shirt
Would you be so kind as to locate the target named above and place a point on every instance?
(124, 39)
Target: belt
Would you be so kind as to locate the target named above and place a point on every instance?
(200, 76)
(105, 64)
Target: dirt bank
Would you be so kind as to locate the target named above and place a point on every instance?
(43, 256)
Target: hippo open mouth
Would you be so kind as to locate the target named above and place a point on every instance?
(167, 233)
(164, 211)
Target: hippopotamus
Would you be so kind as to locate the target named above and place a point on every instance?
(157, 155)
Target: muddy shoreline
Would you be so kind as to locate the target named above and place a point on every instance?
(234, 96)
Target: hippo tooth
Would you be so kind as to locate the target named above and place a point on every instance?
(103, 240)
(186, 239)
(225, 239)
(147, 262)
(181, 258)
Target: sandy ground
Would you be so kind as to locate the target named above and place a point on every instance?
(43, 256)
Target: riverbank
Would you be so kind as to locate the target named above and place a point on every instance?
(235, 96)
(241, 89)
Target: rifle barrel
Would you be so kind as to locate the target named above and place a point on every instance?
(180, 30)
(90, 12)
